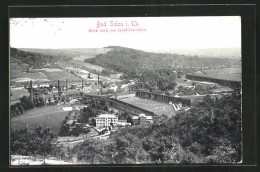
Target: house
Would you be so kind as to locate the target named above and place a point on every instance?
(76, 108)
(125, 96)
(142, 119)
(74, 101)
(114, 87)
(106, 121)
(54, 90)
(122, 123)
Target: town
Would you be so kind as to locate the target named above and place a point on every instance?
(97, 105)
(149, 95)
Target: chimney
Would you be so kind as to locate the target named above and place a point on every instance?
(82, 84)
(31, 91)
(98, 79)
(58, 85)
(66, 84)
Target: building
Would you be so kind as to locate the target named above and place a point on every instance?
(106, 121)
(206, 85)
(229, 77)
(125, 96)
(163, 98)
(122, 123)
(142, 119)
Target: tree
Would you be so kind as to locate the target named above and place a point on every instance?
(44, 138)
(210, 132)
(64, 130)
(130, 120)
(89, 151)
(26, 142)
(172, 85)
(93, 122)
(105, 72)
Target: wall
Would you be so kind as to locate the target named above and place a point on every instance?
(123, 106)
(163, 98)
(228, 83)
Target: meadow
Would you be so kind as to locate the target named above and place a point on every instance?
(157, 107)
(55, 74)
(18, 93)
(44, 74)
(86, 65)
(48, 116)
(224, 73)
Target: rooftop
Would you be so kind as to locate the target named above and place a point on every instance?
(107, 116)
(142, 115)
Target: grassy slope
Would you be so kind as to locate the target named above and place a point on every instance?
(224, 73)
(156, 107)
(21, 60)
(18, 93)
(50, 116)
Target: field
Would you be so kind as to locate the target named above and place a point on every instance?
(44, 74)
(157, 107)
(18, 93)
(55, 74)
(87, 65)
(233, 74)
(27, 76)
(16, 69)
(49, 116)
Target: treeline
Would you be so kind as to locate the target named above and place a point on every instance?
(27, 142)
(38, 142)
(32, 59)
(128, 60)
(36, 60)
(209, 133)
(158, 80)
(25, 104)
(93, 109)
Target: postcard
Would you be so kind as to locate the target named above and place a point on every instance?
(125, 90)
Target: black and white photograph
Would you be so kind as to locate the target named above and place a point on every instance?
(125, 90)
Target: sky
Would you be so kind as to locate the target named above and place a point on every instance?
(153, 33)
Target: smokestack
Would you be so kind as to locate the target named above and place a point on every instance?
(58, 85)
(31, 91)
(66, 84)
(98, 79)
(82, 84)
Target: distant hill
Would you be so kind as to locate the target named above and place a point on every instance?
(79, 54)
(126, 60)
(207, 52)
(31, 59)
(72, 57)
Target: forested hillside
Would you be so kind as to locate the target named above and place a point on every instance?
(128, 60)
(35, 60)
(209, 133)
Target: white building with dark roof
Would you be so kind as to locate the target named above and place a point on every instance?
(106, 120)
